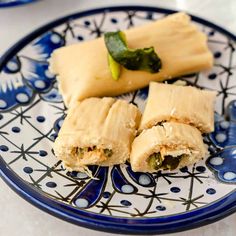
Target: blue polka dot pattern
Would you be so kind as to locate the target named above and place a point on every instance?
(201, 169)
(15, 129)
(223, 165)
(40, 119)
(217, 54)
(125, 203)
(80, 38)
(114, 20)
(42, 153)
(13, 66)
(211, 191)
(161, 208)
(81, 203)
(212, 76)
(22, 98)
(211, 33)
(51, 184)
(3, 104)
(184, 169)
(175, 190)
(4, 148)
(106, 194)
(28, 170)
(87, 23)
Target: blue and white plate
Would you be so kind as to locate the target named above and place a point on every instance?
(12, 3)
(120, 201)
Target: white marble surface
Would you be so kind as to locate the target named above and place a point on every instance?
(18, 217)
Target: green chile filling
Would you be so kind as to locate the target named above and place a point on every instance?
(80, 151)
(155, 161)
(108, 152)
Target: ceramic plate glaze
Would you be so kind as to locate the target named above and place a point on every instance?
(11, 3)
(120, 201)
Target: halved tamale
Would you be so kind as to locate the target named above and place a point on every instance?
(97, 131)
(185, 104)
(82, 69)
(168, 146)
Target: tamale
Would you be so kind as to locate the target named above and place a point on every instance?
(82, 69)
(97, 131)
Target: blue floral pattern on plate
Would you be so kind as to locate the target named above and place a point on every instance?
(32, 113)
(223, 160)
(223, 163)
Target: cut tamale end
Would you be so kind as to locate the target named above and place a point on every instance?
(169, 146)
(97, 131)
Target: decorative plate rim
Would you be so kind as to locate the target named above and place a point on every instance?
(15, 3)
(158, 225)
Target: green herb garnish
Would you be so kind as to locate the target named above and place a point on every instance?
(114, 67)
(144, 59)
